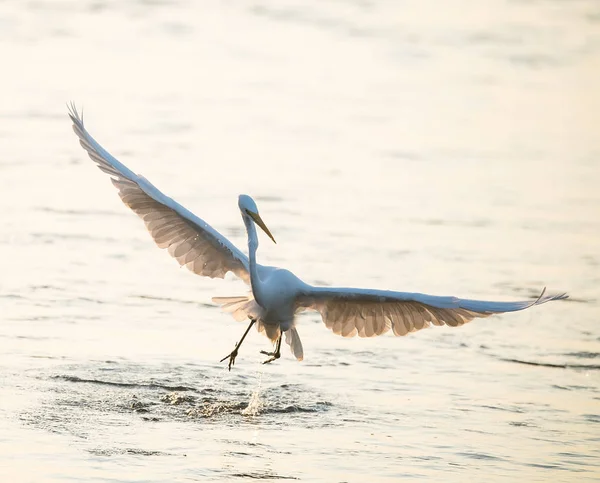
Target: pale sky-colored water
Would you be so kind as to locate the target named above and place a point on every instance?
(446, 149)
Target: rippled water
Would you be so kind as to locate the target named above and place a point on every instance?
(448, 148)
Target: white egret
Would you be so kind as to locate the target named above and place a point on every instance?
(277, 294)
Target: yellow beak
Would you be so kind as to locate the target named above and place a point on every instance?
(258, 220)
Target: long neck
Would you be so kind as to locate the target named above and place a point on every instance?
(255, 281)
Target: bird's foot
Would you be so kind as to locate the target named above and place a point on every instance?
(231, 357)
(274, 356)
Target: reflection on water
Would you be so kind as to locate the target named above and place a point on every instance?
(442, 148)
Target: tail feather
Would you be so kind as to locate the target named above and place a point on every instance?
(270, 330)
(293, 339)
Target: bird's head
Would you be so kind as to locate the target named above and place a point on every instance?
(249, 210)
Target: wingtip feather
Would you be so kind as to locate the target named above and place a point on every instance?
(73, 113)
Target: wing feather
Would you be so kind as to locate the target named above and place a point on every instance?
(367, 313)
(189, 239)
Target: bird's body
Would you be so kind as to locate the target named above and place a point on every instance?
(277, 295)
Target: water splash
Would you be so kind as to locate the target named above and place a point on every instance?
(256, 403)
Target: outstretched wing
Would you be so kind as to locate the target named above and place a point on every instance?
(367, 313)
(189, 239)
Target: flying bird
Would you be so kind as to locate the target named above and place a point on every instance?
(277, 295)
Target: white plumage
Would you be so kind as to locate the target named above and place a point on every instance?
(277, 294)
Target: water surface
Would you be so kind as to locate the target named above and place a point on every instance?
(447, 149)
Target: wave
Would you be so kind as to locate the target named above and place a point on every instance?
(554, 365)
(152, 385)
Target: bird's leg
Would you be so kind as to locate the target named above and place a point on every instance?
(274, 355)
(234, 352)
